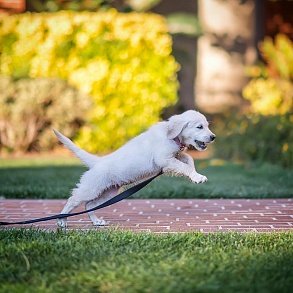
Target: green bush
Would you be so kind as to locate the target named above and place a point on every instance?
(256, 137)
(30, 108)
(270, 92)
(264, 131)
(122, 61)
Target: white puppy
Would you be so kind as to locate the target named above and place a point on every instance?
(159, 148)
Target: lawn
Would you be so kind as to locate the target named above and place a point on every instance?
(54, 178)
(116, 261)
(113, 261)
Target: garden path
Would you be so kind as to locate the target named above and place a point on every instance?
(167, 215)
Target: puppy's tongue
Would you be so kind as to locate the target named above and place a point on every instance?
(201, 144)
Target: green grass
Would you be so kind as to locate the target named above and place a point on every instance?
(112, 261)
(54, 178)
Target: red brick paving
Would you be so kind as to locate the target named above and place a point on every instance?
(171, 215)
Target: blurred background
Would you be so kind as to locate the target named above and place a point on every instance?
(102, 71)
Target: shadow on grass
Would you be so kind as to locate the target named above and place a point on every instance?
(39, 181)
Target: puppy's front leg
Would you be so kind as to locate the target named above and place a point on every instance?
(176, 166)
(187, 159)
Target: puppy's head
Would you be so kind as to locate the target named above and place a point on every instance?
(192, 129)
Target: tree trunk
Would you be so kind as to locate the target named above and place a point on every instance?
(225, 49)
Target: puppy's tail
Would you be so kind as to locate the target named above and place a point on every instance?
(88, 159)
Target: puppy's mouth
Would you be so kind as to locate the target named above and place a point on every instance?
(199, 145)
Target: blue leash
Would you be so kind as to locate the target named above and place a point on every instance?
(111, 201)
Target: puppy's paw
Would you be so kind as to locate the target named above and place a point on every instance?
(61, 223)
(198, 178)
(99, 222)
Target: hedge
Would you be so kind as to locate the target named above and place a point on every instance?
(122, 61)
(264, 132)
(270, 91)
(255, 138)
(30, 108)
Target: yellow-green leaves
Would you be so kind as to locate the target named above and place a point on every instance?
(122, 61)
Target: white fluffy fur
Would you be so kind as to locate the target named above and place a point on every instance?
(142, 157)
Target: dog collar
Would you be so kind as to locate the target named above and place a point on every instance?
(180, 144)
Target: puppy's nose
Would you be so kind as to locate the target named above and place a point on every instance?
(212, 137)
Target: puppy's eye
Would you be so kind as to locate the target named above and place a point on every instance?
(200, 127)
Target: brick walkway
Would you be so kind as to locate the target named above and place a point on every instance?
(172, 215)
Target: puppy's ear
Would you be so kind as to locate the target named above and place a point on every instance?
(175, 126)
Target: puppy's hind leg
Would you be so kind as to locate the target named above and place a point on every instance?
(74, 201)
(108, 194)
